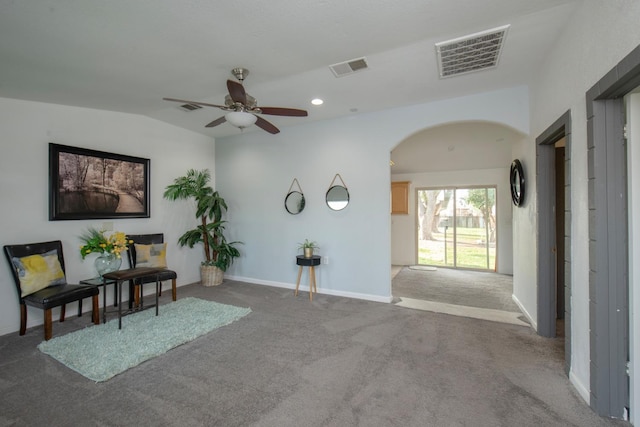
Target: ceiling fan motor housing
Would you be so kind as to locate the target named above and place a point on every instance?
(250, 105)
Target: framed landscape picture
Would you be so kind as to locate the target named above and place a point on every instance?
(91, 184)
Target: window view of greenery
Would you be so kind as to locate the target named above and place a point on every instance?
(457, 227)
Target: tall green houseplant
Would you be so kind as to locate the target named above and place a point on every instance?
(219, 254)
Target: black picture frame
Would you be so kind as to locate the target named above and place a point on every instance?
(517, 183)
(92, 184)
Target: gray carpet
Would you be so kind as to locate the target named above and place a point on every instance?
(458, 287)
(332, 362)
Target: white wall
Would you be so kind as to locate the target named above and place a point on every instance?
(525, 255)
(404, 227)
(26, 128)
(254, 171)
(598, 36)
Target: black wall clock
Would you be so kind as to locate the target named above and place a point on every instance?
(516, 177)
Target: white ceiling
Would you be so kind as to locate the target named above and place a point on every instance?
(455, 147)
(125, 55)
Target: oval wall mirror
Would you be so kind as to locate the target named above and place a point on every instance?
(516, 176)
(294, 202)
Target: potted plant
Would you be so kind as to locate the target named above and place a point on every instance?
(307, 247)
(219, 254)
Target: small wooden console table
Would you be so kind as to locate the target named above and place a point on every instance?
(311, 263)
(126, 275)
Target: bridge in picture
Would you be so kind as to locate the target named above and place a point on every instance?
(129, 203)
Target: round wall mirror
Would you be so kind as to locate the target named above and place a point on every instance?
(294, 202)
(517, 183)
(337, 197)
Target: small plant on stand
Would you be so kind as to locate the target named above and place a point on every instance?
(308, 247)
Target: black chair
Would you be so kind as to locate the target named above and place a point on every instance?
(149, 239)
(53, 293)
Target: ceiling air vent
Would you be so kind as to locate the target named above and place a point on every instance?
(349, 67)
(471, 53)
(190, 107)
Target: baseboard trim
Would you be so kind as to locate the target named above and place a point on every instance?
(305, 288)
(582, 390)
(526, 314)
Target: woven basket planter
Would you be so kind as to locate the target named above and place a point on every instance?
(211, 275)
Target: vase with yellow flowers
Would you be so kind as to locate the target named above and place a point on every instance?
(109, 247)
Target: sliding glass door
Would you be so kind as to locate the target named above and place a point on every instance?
(457, 227)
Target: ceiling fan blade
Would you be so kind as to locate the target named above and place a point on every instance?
(236, 90)
(216, 122)
(263, 124)
(184, 101)
(276, 111)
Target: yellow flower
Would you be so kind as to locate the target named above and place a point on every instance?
(97, 241)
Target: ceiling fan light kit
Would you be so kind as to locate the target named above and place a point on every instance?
(243, 108)
(240, 119)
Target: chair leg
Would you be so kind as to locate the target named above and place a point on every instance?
(173, 289)
(48, 324)
(160, 289)
(63, 310)
(96, 310)
(23, 319)
(136, 290)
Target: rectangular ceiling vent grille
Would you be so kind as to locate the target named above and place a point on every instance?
(190, 107)
(349, 67)
(471, 53)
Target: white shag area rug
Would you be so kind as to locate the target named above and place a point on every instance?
(103, 351)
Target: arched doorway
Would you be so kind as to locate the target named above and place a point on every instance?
(459, 155)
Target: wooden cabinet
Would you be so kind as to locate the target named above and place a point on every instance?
(400, 197)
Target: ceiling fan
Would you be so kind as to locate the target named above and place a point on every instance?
(243, 108)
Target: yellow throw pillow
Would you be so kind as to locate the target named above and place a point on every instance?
(154, 255)
(37, 272)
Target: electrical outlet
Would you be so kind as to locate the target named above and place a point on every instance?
(325, 260)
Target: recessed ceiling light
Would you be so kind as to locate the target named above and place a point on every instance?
(317, 101)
